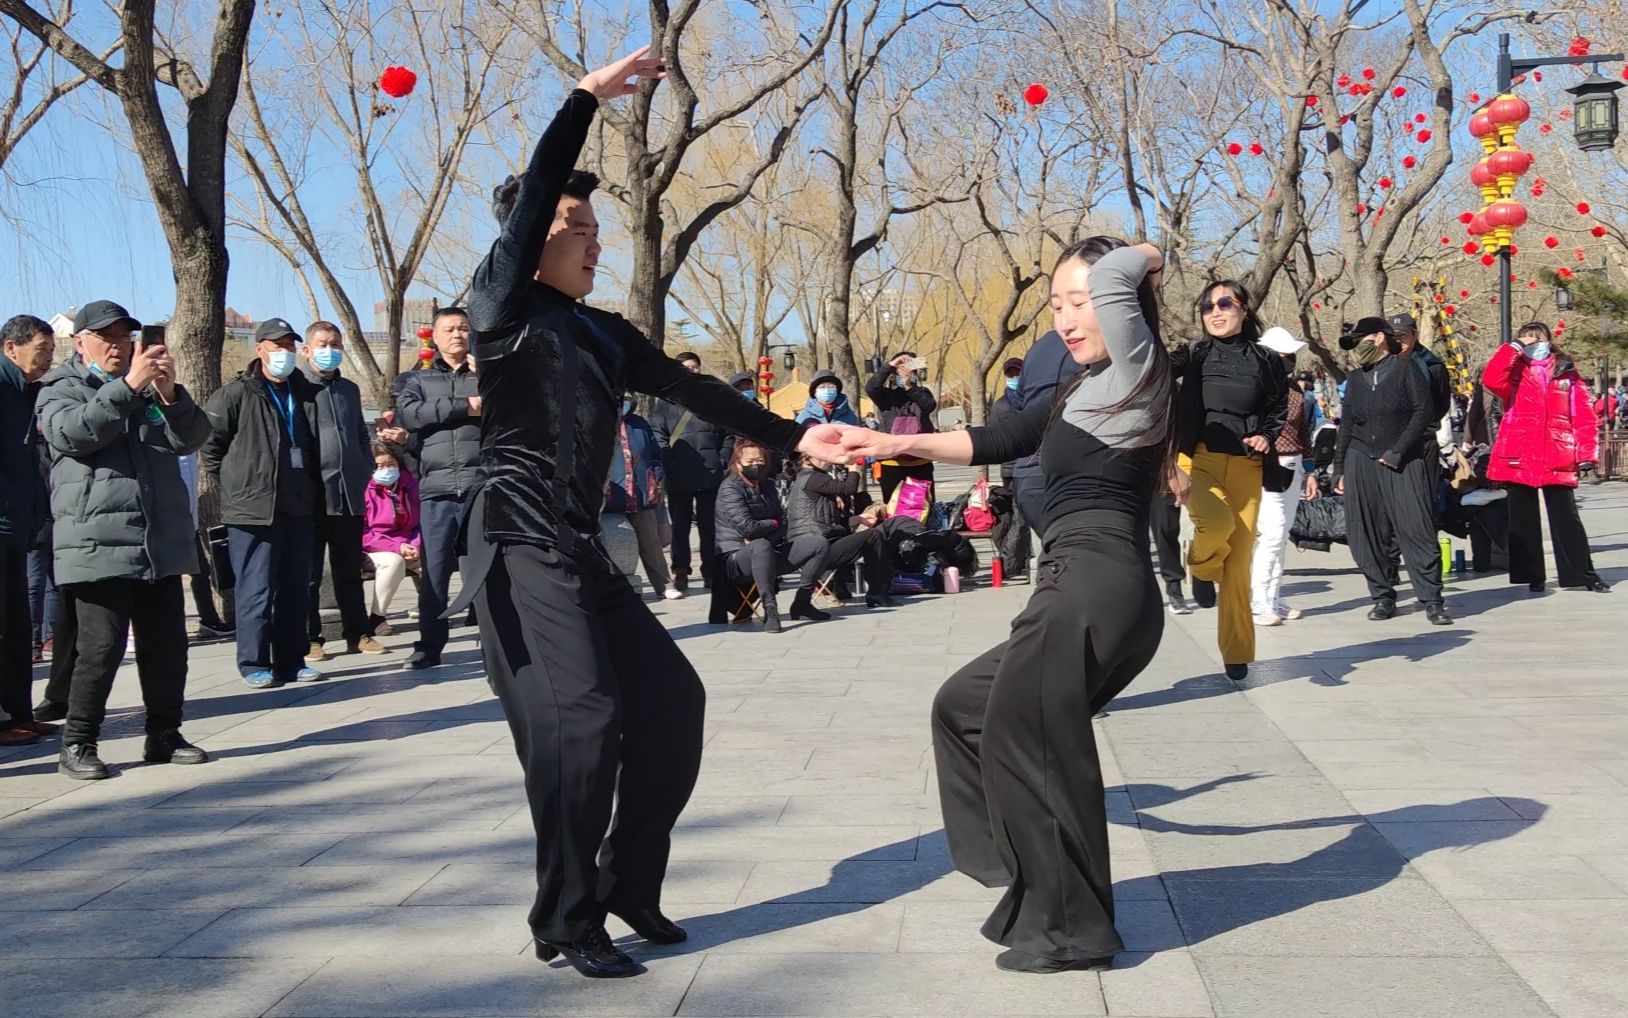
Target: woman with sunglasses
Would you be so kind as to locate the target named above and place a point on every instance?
(1233, 397)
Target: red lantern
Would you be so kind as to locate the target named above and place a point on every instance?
(426, 355)
(1255, 148)
(765, 361)
(1509, 161)
(425, 332)
(768, 390)
(1036, 94)
(1479, 224)
(1598, 231)
(1398, 92)
(1551, 242)
(397, 82)
(1423, 136)
(1582, 208)
(1481, 175)
(1509, 110)
(1481, 125)
(1409, 162)
(1235, 149)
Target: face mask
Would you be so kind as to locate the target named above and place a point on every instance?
(387, 476)
(280, 364)
(826, 394)
(1370, 352)
(1538, 351)
(1012, 384)
(746, 393)
(327, 359)
(755, 471)
(106, 376)
(627, 407)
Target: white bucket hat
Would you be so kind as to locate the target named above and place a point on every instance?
(1281, 341)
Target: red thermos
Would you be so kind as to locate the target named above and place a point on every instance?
(995, 572)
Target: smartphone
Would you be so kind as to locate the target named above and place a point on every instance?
(916, 363)
(152, 335)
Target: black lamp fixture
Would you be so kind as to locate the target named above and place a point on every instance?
(1563, 299)
(790, 360)
(1594, 115)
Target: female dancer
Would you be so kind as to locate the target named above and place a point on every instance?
(1549, 433)
(1019, 779)
(1233, 393)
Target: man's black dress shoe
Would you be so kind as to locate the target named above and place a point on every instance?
(1019, 961)
(170, 747)
(78, 760)
(1383, 609)
(1436, 615)
(654, 927)
(594, 955)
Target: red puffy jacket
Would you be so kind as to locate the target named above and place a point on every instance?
(1549, 425)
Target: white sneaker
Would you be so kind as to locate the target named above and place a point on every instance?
(672, 593)
(1268, 620)
(1290, 613)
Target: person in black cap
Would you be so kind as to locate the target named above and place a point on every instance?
(117, 423)
(1378, 467)
(1440, 386)
(605, 709)
(1011, 533)
(826, 403)
(263, 448)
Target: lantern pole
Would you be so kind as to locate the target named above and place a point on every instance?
(1508, 67)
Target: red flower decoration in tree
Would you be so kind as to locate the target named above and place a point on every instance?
(1385, 182)
(397, 82)
(1409, 163)
(1362, 209)
(1449, 310)
(1462, 294)
(1423, 137)
(1531, 284)
(1255, 148)
(1579, 47)
(1578, 253)
(1545, 128)
(1311, 100)
(1446, 240)
(1471, 247)
(1419, 118)
(1598, 231)
(1398, 92)
(1537, 75)
(1317, 307)
(1493, 299)
(1582, 208)
(1234, 149)
(1563, 272)
(1486, 259)
(1368, 72)
(1036, 94)
(1565, 114)
(1475, 97)
(1551, 242)
(1465, 217)
(1514, 250)
(1343, 81)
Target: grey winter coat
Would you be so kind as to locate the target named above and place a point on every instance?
(120, 507)
(346, 443)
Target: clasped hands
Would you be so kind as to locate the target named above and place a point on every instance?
(845, 443)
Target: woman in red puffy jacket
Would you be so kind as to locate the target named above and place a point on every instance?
(1549, 434)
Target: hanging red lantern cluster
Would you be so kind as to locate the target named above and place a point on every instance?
(426, 352)
(1495, 176)
(766, 376)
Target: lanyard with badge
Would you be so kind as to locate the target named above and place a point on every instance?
(296, 455)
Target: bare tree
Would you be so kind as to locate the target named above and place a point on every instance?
(31, 97)
(655, 136)
(404, 156)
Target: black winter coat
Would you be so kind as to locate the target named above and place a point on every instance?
(1383, 420)
(1188, 363)
(746, 512)
(434, 405)
(23, 507)
(812, 507)
(694, 456)
(916, 401)
(245, 443)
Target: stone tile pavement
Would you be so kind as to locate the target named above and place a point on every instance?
(1388, 820)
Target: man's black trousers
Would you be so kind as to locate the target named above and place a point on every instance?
(341, 538)
(1573, 562)
(604, 708)
(1166, 526)
(1391, 514)
(869, 545)
(106, 611)
(439, 522)
(699, 506)
(16, 652)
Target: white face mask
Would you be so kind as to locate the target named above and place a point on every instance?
(1538, 351)
(280, 364)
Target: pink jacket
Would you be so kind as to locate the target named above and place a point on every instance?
(1549, 424)
(379, 530)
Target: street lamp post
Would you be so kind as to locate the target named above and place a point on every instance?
(1596, 130)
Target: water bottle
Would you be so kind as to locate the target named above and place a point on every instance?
(995, 572)
(1458, 561)
(1446, 557)
(952, 580)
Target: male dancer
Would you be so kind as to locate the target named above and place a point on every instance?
(591, 683)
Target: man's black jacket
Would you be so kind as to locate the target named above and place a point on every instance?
(433, 404)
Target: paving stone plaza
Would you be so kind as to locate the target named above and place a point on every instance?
(1389, 820)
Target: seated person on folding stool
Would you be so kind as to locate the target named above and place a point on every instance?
(823, 503)
(753, 546)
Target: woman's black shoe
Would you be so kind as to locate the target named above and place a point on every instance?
(1019, 961)
(880, 601)
(771, 615)
(802, 607)
(654, 927)
(1536, 588)
(594, 955)
(1594, 586)
(1204, 593)
(1237, 673)
(681, 581)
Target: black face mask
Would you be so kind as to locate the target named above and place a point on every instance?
(755, 471)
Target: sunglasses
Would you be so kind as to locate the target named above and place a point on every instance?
(1225, 304)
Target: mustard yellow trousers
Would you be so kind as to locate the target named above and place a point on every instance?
(1224, 502)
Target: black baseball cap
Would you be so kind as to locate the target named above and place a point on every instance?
(274, 328)
(1013, 366)
(99, 314)
(1402, 324)
(1365, 327)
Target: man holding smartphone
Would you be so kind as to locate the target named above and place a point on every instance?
(907, 408)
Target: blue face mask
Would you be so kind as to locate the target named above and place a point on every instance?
(387, 476)
(747, 394)
(826, 394)
(327, 359)
(106, 376)
(1538, 351)
(280, 364)
(1012, 384)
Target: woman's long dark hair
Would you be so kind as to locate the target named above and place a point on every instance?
(1157, 386)
(1251, 331)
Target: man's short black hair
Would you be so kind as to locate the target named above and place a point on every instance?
(688, 356)
(581, 184)
(441, 313)
(24, 329)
